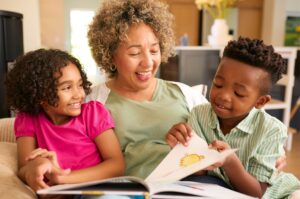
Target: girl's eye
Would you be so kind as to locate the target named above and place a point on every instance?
(66, 88)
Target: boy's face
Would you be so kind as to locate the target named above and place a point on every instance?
(70, 93)
(236, 89)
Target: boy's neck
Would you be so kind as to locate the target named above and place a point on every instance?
(226, 125)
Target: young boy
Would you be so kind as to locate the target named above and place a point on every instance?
(234, 118)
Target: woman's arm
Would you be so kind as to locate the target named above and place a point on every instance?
(112, 164)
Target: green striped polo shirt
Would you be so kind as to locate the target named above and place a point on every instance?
(260, 139)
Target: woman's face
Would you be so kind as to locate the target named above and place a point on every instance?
(137, 58)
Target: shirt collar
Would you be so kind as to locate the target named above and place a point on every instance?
(246, 125)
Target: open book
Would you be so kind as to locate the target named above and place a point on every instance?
(163, 182)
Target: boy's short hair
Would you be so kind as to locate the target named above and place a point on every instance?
(255, 53)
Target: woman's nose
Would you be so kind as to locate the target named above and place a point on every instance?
(147, 60)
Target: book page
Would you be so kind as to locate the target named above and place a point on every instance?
(183, 161)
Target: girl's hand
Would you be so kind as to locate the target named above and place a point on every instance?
(44, 153)
(56, 176)
(34, 172)
(181, 133)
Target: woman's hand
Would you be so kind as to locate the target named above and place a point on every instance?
(179, 133)
(281, 162)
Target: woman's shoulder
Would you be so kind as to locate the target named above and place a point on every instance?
(99, 93)
(193, 95)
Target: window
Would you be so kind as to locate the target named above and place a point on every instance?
(79, 22)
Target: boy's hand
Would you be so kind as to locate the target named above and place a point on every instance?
(180, 132)
(220, 146)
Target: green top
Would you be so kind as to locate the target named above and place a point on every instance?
(260, 139)
(142, 126)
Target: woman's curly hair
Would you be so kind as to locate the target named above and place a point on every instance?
(254, 52)
(34, 79)
(113, 20)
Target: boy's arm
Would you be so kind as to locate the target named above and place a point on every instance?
(239, 178)
(112, 164)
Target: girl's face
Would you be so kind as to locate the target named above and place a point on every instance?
(137, 58)
(236, 90)
(70, 96)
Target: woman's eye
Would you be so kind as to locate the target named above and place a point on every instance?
(154, 51)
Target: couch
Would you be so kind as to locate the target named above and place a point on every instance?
(11, 187)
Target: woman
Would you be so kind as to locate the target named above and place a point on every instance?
(129, 39)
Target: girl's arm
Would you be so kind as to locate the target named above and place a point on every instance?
(112, 164)
(31, 172)
(239, 178)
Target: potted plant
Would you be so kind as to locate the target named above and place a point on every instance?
(217, 9)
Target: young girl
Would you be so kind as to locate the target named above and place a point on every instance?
(60, 138)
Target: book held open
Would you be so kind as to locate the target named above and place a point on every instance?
(163, 182)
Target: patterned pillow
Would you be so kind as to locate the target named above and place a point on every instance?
(7, 130)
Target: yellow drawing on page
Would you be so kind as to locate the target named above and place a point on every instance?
(190, 159)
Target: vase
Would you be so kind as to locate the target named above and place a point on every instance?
(219, 33)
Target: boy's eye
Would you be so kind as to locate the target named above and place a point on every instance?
(238, 94)
(217, 85)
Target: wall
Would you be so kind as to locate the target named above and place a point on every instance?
(52, 23)
(31, 20)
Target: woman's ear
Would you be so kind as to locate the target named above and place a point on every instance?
(262, 100)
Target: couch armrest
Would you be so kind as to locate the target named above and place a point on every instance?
(7, 130)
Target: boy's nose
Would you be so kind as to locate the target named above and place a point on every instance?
(224, 96)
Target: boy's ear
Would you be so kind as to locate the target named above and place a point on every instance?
(262, 100)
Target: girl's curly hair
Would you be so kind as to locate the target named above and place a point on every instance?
(254, 52)
(113, 21)
(34, 79)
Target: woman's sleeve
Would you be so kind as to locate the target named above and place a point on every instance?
(192, 96)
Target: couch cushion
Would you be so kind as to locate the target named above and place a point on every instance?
(11, 186)
(7, 130)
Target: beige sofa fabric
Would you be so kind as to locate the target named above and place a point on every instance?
(11, 187)
(7, 130)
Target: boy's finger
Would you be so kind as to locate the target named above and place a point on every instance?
(171, 140)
